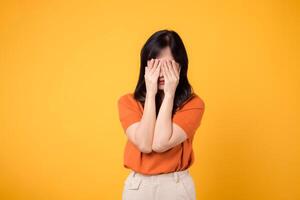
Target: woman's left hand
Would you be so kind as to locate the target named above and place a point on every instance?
(171, 72)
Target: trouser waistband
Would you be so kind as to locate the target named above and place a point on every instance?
(160, 177)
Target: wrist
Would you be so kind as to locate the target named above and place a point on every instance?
(169, 95)
(150, 95)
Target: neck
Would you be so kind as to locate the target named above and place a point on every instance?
(161, 94)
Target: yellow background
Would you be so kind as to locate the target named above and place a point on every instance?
(64, 64)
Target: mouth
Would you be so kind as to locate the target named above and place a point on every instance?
(161, 82)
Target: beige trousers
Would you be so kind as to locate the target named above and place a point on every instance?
(171, 186)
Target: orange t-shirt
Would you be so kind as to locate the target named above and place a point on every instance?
(178, 158)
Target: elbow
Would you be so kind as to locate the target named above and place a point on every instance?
(145, 149)
(143, 146)
(158, 148)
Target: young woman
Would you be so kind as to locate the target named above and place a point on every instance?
(160, 119)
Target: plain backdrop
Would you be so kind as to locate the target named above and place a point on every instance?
(64, 64)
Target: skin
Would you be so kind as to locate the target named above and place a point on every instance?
(151, 133)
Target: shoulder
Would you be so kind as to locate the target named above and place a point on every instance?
(198, 101)
(194, 102)
(126, 98)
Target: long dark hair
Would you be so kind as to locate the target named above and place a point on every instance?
(151, 49)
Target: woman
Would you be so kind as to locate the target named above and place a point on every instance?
(160, 119)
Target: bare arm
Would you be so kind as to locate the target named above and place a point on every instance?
(141, 133)
(166, 133)
(163, 128)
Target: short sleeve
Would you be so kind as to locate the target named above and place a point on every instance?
(128, 110)
(190, 115)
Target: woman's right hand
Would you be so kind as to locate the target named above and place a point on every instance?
(151, 75)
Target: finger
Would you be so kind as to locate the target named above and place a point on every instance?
(166, 74)
(153, 68)
(179, 69)
(163, 68)
(157, 67)
(177, 65)
(175, 69)
(157, 61)
(151, 62)
(148, 62)
(168, 70)
(157, 70)
(171, 69)
(160, 66)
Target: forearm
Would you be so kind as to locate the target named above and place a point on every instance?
(163, 126)
(144, 132)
